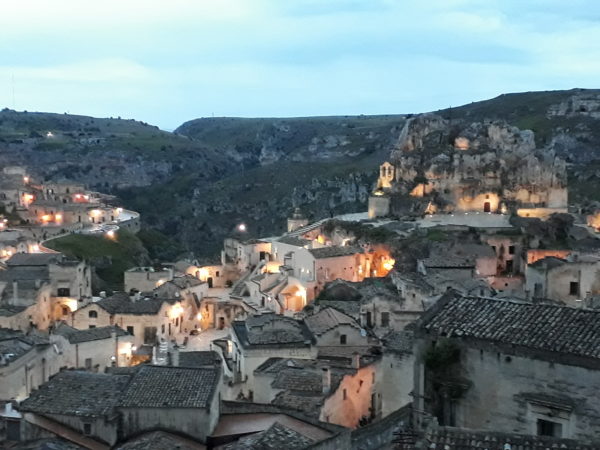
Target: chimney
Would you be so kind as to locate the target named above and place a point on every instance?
(356, 360)
(175, 356)
(15, 292)
(326, 380)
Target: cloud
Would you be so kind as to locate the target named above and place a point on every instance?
(167, 62)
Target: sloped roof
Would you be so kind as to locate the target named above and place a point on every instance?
(76, 336)
(552, 328)
(171, 387)
(199, 359)
(334, 251)
(327, 319)
(77, 393)
(120, 303)
(276, 437)
(33, 259)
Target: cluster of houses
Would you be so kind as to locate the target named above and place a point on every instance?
(480, 338)
(36, 211)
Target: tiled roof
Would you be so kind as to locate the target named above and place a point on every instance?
(549, 262)
(120, 303)
(334, 251)
(552, 328)
(350, 308)
(76, 336)
(77, 393)
(33, 259)
(271, 330)
(308, 402)
(446, 438)
(186, 281)
(155, 440)
(175, 387)
(398, 341)
(276, 437)
(327, 319)
(199, 359)
(293, 240)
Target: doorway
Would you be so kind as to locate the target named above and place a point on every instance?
(487, 207)
(209, 280)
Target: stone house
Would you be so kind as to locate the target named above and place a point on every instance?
(331, 327)
(570, 280)
(181, 399)
(259, 338)
(509, 366)
(45, 286)
(79, 404)
(26, 362)
(245, 255)
(145, 279)
(395, 371)
(148, 319)
(334, 394)
(93, 349)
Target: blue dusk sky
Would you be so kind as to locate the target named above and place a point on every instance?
(168, 61)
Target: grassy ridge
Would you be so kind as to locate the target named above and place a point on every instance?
(109, 257)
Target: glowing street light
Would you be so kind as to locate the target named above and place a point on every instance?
(242, 227)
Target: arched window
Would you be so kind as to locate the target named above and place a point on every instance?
(93, 314)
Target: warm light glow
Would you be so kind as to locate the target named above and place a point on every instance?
(461, 143)
(35, 248)
(110, 234)
(46, 218)
(321, 239)
(176, 311)
(95, 212)
(242, 227)
(58, 218)
(28, 199)
(388, 264)
(378, 193)
(203, 274)
(49, 134)
(160, 282)
(119, 210)
(2, 225)
(199, 316)
(26, 179)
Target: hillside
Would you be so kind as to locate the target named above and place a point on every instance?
(110, 257)
(196, 184)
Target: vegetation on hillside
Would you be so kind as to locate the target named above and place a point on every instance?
(109, 257)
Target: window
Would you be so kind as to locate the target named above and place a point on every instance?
(63, 292)
(87, 429)
(92, 326)
(162, 328)
(217, 274)
(511, 249)
(343, 339)
(93, 314)
(385, 319)
(88, 363)
(573, 288)
(344, 394)
(130, 330)
(549, 428)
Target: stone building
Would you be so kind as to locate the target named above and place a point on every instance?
(147, 319)
(572, 280)
(25, 363)
(332, 393)
(261, 337)
(94, 349)
(509, 366)
(181, 399)
(331, 327)
(482, 167)
(41, 288)
(75, 402)
(145, 279)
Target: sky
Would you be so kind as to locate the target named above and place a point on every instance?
(169, 61)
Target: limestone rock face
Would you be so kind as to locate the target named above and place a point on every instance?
(481, 166)
(582, 104)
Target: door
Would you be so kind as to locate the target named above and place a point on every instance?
(487, 207)
(221, 323)
(209, 280)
